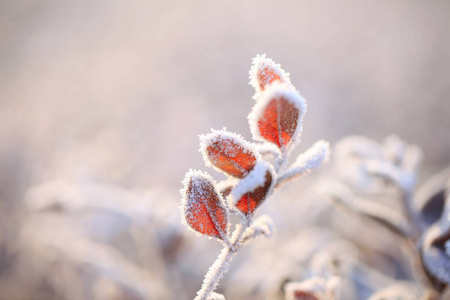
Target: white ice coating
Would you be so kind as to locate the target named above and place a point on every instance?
(263, 225)
(311, 159)
(255, 179)
(214, 274)
(404, 179)
(227, 183)
(216, 296)
(259, 65)
(200, 181)
(266, 147)
(223, 135)
(315, 286)
(274, 91)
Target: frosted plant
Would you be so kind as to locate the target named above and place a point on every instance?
(276, 125)
(376, 179)
(95, 219)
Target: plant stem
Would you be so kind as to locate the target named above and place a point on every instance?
(220, 266)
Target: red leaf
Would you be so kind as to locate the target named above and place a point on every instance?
(228, 152)
(203, 206)
(277, 116)
(265, 71)
(254, 189)
(250, 201)
(302, 295)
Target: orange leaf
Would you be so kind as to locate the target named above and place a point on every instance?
(203, 206)
(252, 200)
(228, 152)
(277, 116)
(251, 191)
(265, 71)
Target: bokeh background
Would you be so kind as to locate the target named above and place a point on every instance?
(105, 99)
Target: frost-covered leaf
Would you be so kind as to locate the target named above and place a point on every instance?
(265, 71)
(401, 154)
(431, 196)
(277, 116)
(307, 161)
(404, 179)
(380, 213)
(254, 189)
(315, 288)
(434, 255)
(203, 207)
(228, 152)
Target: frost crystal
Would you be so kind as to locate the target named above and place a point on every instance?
(203, 207)
(314, 156)
(263, 72)
(216, 296)
(228, 152)
(263, 225)
(308, 161)
(277, 116)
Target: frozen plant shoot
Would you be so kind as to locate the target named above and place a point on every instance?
(276, 126)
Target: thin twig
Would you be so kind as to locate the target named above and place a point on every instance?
(220, 266)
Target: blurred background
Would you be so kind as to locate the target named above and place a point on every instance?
(101, 103)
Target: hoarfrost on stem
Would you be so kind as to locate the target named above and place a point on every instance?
(308, 161)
